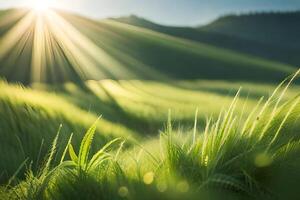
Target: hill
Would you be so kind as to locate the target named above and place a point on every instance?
(281, 29)
(240, 33)
(78, 48)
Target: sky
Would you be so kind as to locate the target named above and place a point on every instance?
(168, 12)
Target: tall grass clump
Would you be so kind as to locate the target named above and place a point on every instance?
(29, 120)
(243, 156)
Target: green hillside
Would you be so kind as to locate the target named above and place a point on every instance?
(244, 136)
(78, 48)
(231, 32)
(130, 109)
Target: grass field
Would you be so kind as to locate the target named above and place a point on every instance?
(134, 111)
(118, 109)
(232, 152)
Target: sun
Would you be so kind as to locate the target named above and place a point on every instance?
(41, 5)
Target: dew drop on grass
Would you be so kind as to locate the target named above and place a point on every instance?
(148, 178)
(123, 191)
(161, 187)
(206, 161)
(183, 186)
(262, 160)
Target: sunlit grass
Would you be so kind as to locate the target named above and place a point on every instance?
(128, 108)
(248, 159)
(30, 117)
(152, 100)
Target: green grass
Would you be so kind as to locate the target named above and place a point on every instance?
(130, 109)
(238, 155)
(29, 120)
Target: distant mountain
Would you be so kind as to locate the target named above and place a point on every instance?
(282, 28)
(66, 47)
(241, 33)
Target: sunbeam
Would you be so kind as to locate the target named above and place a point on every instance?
(59, 51)
(51, 46)
(38, 63)
(15, 34)
(98, 63)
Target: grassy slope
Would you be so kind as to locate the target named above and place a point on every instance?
(144, 54)
(235, 42)
(232, 159)
(30, 120)
(193, 59)
(128, 108)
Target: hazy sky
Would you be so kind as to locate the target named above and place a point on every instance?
(172, 12)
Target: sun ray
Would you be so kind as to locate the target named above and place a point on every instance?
(133, 65)
(18, 56)
(93, 53)
(12, 16)
(13, 36)
(38, 51)
(59, 51)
